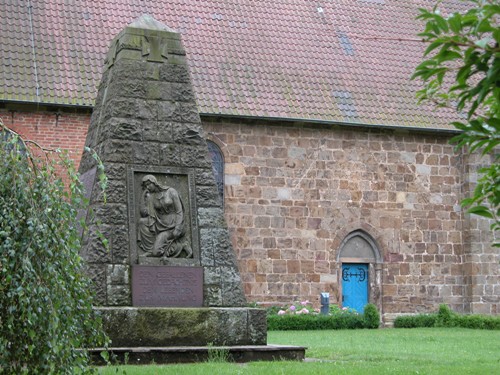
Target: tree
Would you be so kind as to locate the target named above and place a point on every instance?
(461, 68)
(46, 316)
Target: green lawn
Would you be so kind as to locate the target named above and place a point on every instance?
(386, 351)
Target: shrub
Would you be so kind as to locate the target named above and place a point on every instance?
(477, 322)
(46, 316)
(371, 316)
(337, 311)
(301, 316)
(415, 321)
(314, 322)
(447, 318)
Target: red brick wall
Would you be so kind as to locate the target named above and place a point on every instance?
(66, 130)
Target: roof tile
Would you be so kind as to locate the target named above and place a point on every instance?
(282, 58)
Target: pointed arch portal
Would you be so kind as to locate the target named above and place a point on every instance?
(360, 279)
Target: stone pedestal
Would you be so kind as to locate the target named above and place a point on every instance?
(160, 327)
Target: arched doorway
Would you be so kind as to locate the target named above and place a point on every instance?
(361, 265)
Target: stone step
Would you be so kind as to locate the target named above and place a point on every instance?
(192, 354)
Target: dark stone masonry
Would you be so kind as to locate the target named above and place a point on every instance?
(168, 243)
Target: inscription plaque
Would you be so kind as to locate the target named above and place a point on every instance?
(167, 286)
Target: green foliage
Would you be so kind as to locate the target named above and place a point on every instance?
(314, 322)
(46, 315)
(416, 321)
(301, 316)
(461, 68)
(296, 308)
(477, 322)
(447, 318)
(218, 354)
(335, 310)
(363, 351)
(371, 316)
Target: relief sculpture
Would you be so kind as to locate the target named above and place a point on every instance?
(160, 229)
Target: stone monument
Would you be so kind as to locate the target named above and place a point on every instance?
(158, 249)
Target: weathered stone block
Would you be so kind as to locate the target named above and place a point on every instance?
(112, 214)
(120, 244)
(170, 154)
(115, 192)
(128, 54)
(145, 153)
(118, 274)
(257, 326)
(195, 156)
(212, 275)
(122, 128)
(207, 197)
(186, 112)
(115, 171)
(174, 73)
(211, 217)
(189, 134)
(212, 294)
(123, 151)
(205, 177)
(96, 251)
(232, 294)
(141, 70)
(166, 110)
(182, 92)
(128, 86)
(150, 327)
(97, 274)
(118, 295)
(159, 90)
(121, 107)
(208, 249)
(154, 131)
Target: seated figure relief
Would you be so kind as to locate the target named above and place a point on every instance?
(161, 229)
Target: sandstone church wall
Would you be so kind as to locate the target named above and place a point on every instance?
(481, 260)
(293, 194)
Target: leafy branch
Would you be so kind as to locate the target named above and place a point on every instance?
(47, 322)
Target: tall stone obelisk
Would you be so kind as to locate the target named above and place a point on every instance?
(167, 242)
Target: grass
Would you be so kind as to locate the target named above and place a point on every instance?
(385, 351)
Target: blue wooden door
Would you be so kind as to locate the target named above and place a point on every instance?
(355, 286)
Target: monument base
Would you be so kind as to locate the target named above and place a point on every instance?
(129, 327)
(193, 354)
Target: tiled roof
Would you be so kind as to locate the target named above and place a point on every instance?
(345, 61)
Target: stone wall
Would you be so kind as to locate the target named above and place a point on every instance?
(481, 261)
(63, 128)
(293, 194)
